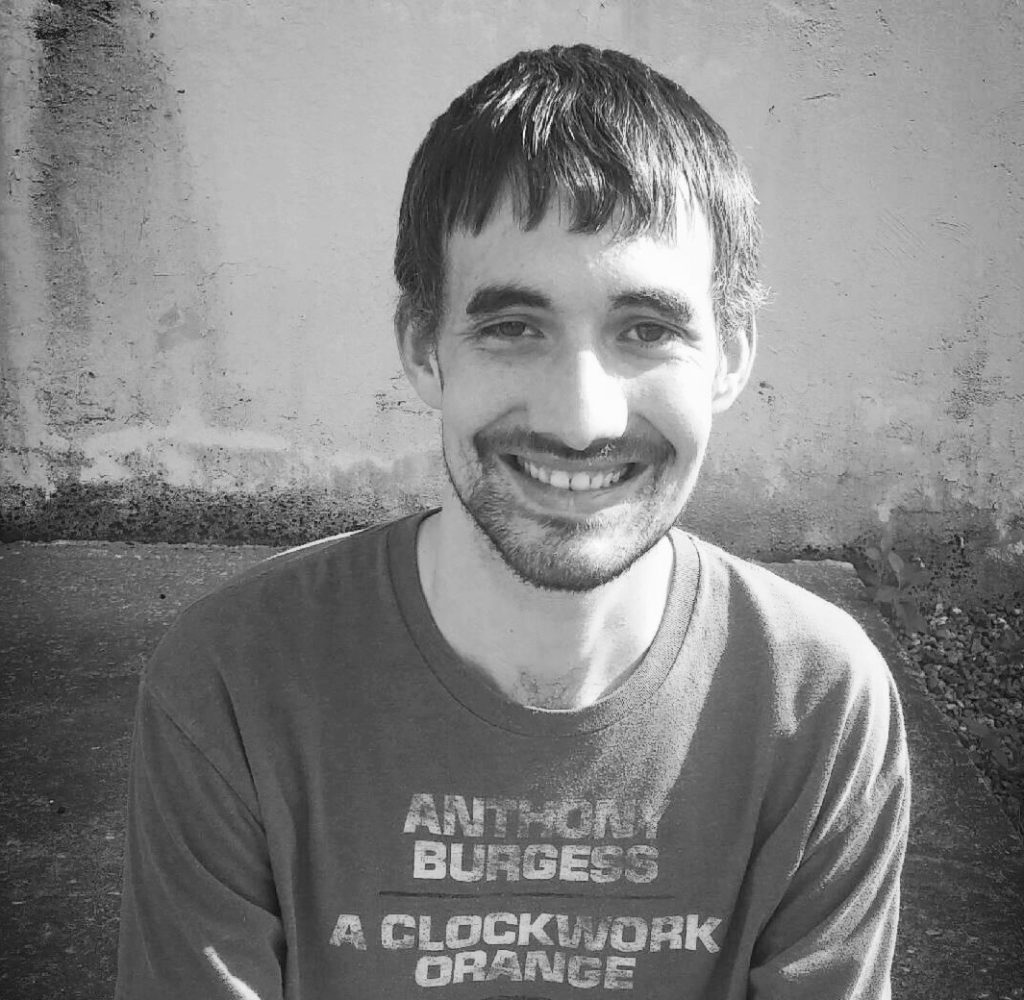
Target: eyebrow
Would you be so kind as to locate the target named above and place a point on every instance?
(668, 304)
(494, 298)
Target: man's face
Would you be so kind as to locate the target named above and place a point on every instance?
(577, 375)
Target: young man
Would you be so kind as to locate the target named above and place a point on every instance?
(538, 741)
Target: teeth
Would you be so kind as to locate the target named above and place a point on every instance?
(544, 475)
(577, 482)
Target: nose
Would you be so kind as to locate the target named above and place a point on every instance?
(579, 401)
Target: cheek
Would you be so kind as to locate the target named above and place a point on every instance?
(679, 408)
(478, 393)
(468, 405)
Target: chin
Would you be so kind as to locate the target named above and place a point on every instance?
(569, 576)
(570, 557)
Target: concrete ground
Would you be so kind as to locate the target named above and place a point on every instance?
(77, 621)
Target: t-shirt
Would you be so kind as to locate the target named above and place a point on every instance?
(326, 803)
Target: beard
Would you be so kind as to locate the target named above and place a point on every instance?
(561, 553)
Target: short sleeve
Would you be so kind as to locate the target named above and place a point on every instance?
(199, 915)
(834, 931)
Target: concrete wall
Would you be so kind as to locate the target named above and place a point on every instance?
(198, 218)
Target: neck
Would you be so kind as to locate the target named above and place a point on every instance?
(546, 649)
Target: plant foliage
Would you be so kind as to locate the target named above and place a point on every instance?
(889, 578)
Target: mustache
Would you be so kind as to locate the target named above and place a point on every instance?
(648, 449)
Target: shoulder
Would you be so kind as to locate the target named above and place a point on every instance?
(783, 613)
(806, 654)
(290, 582)
(808, 683)
(245, 641)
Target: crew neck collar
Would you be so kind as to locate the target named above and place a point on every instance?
(486, 702)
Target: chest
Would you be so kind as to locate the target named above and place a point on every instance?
(478, 864)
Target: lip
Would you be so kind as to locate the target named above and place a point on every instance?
(597, 465)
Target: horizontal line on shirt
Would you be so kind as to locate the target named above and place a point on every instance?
(425, 894)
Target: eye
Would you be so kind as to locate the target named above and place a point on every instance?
(651, 334)
(506, 329)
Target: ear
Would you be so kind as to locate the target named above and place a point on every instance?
(418, 350)
(734, 365)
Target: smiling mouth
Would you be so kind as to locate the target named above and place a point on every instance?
(577, 482)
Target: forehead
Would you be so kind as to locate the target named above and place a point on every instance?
(568, 266)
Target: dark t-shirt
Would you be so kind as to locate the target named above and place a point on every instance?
(326, 803)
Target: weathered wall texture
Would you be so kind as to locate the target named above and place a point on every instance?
(198, 217)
